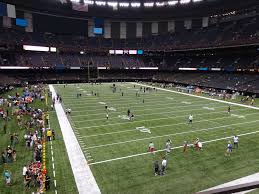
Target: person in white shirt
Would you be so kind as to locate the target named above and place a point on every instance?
(68, 111)
(168, 146)
(24, 170)
(190, 119)
(235, 139)
(200, 145)
(107, 116)
(164, 165)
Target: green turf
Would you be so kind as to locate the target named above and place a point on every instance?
(165, 114)
(23, 156)
(64, 178)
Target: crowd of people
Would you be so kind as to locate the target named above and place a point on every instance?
(20, 109)
(197, 146)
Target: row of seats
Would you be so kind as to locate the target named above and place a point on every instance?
(228, 33)
(37, 59)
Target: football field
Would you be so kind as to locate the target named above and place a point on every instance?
(117, 148)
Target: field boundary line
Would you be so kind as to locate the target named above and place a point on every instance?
(53, 162)
(178, 147)
(202, 97)
(84, 178)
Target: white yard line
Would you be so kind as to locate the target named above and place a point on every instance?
(145, 153)
(166, 135)
(85, 101)
(159, 126)
(127, 94)
(129, 105)
(84, 178)
(141, 107)
(141, 121)
(151, 109)
(155, 113)
(114, 98)
(202, 97)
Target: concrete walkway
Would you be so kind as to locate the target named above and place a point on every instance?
(243, 180)
(84, 178)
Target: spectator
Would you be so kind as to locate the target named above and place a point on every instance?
(156, 168)
(47, 119)
(164, 165)
(14, 155)
(5, 127)
(24, 171)
(53, 134)
(11, 139)
(68, 111)
(27, 180)
(49, 134)
(27, 140)
(47, 182)
(15, 140)
(236, 140)
(7, 177)
(3, 156)
(9, 154)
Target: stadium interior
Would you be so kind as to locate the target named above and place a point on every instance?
(219, 41)
(212, 45)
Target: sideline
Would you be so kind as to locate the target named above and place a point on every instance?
(202, 97)
(85, 181)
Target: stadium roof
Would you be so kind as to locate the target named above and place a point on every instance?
(134, 9)
(132, 4)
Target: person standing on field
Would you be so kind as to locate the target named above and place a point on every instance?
(236, 140)
(156, 168)
(151, 147)
(164, 165)
(190, 119)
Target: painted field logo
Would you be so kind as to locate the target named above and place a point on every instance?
(124, 117)
(238, 116)
(112, 109)
(208, 108)
(169, 98)
(184, 102)
(143, 129)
